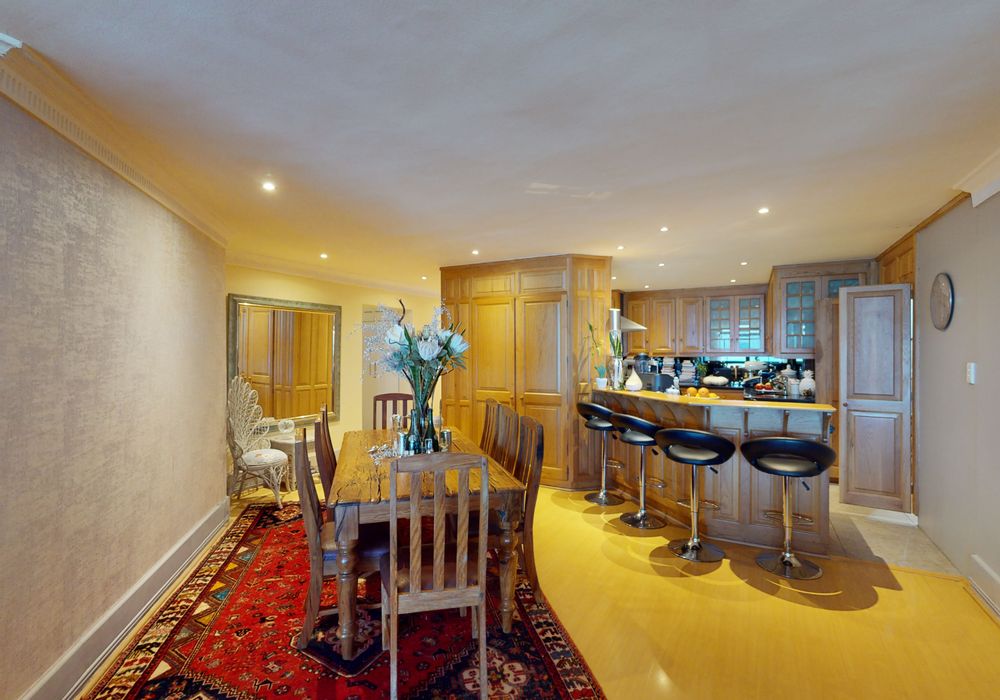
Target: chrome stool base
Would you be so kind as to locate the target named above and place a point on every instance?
(787, 565)
(642, 520)
(604, 498)
(699, 551)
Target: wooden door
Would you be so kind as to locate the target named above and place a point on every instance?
(662, 328)
(875, 379)
(492, 353)
(690, 319)
(456, 405)
(637, 341)
(256, 352)
(828, 362)
(543, 374)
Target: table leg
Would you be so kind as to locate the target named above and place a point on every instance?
(347, 581)
(508, 574)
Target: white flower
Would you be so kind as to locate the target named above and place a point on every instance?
(443, 335)
(458, 344)
(394, 336)
(428, 349)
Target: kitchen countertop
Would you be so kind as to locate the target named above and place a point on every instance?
(734, 403)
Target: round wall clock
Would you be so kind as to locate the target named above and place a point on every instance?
(942, 301)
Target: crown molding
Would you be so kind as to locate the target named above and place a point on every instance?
(7, 43)
(984, 180)
(288, 267)
(36, 86)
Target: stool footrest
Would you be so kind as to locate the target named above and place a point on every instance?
(615, 464)
(655, 483)
(708, 505)
(778, 516)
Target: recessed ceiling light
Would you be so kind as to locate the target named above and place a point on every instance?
(744, 263)
(423, 277)
(763, 210)
(645, 286)
(621, 247)
(613, 277)
(268, 186)
(732, 281)
(323, 256)
(664, 229)
(661, 264)
(475, 252)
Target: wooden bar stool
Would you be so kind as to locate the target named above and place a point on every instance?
(599, 419)
(789, 458)
(638, 432)
(696, 448)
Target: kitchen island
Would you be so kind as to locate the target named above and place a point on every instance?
(741, 494)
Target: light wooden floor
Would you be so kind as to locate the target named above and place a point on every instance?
(651, 625)
(654, 626)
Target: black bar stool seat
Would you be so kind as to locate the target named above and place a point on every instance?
(696, 448)
(789, 458)
(598, 418)
(638, 432)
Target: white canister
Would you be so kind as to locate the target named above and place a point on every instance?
(807, 387)
(634, 382)
(793, 388)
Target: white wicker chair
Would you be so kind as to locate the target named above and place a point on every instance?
(252, 453)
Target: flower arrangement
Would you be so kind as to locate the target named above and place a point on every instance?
(422, 357)
(596, 351)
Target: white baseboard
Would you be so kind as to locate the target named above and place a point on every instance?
(986, 583)
(67, 676)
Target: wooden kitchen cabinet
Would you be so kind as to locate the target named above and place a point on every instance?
(527, 323)
(795, 293)
(692, 322)
(662, 327)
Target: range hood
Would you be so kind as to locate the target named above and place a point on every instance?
(617, 322)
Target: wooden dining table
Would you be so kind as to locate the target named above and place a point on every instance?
(360, 494)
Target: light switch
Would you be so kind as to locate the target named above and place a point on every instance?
(970, 372)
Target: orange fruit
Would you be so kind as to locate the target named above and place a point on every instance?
(691, 391)
(703, 392)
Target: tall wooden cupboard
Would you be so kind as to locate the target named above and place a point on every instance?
(527, 321)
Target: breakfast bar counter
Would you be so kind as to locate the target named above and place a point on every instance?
(740, 496)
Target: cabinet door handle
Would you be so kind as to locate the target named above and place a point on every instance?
(845, 405)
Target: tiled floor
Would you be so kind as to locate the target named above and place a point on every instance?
(870, 534)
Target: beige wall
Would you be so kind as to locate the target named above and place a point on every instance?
(112, 391)
(352, 299)
(958, 471)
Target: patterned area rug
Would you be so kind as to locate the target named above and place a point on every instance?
(228, 633)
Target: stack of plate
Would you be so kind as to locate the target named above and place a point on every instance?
(687, 372)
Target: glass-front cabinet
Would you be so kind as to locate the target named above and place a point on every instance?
(799, 314)
(735, 325)
(750, 324)
(720, 324)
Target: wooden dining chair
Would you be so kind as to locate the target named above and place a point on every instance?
(488, 438)
(326, 458)
(385, 405)
(454, 578)
(505, 446)
(528, 470)
(373, 543)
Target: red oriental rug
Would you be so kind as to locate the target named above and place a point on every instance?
(228, 633)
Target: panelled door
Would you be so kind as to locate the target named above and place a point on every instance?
(543, 374)
(492, 355)
(875, 379)
(662, 332)
(456, 408)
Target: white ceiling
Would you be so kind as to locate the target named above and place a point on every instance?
(403, 135)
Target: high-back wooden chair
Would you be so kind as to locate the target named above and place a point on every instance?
(326, 458)
(372, 544)
(528, 470)
(451, 579)
(487, 441)
(507, 428)
(385, 405)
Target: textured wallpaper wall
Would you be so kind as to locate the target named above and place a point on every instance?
(112, 390)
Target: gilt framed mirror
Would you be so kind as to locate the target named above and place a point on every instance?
(289, 351)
